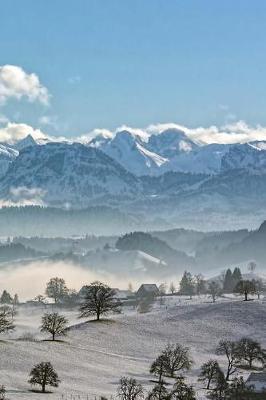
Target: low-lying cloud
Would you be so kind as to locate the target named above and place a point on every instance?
(29, 279)
(237, 132)
(13, 132)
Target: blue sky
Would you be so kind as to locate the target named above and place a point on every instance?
(108, 63)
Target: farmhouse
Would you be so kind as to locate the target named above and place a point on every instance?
(147, 289)
(258, 381)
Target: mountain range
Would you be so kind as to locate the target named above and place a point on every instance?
(165, 176)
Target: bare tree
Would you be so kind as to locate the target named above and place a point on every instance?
(158, 367)
(250, 351)
(209, 372)
(130, 287)
(177, 358)
(214, 290)
(259, 287)
(230, 350)
(162, 292)
(182, 391)
(245, 287)
(174, 358)
(99, 300)
(200, 284)
(43, 374)
(40, 298)
(2, 392)
(56, 289)
(172, 288)
(130, 389)
(252, 266)
(54, 324)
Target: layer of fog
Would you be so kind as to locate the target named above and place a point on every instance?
(29, 279)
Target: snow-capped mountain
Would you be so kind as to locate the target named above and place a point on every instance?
(202, 159)
(7, 155)
(63, 173)
(249, 156)
(25, 142)
(170, 143)
(131, 153)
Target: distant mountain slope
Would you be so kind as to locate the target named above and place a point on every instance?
(129, 262)
(7, 156)
(53, 222)
(67, 174)
(130, 152)
(155, 247)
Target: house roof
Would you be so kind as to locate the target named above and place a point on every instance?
(257, 377)
(149, 287)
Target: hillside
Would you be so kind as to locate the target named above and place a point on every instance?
(93, 357)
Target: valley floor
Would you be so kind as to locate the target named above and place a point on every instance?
(93, 356)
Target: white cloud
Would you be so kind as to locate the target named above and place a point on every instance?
(138, 132)
(49, 120)
(16, 83)
(236, 132)
(13, 132)
(24, 196)
(87, 137)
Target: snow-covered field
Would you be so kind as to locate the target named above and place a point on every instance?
(94, 355)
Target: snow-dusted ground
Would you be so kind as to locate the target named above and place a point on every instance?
(95, 355)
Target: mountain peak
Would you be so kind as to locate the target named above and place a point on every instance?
(27, 141)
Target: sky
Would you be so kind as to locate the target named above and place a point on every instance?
(87, 64)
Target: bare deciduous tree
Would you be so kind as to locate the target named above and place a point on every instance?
(250, 351)
(130, 389)
(56, 289)
(99, 300)
(209, 372)
(230, 350)
(54, 324)
(214, 290)
(43, 374)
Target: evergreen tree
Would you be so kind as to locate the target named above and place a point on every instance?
(237, 277)
(187, 285)
(6, 298)
(228, 281)
(6, 320)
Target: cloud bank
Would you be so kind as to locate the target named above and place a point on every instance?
(13, 132)
(237, 132)
(16, 83)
